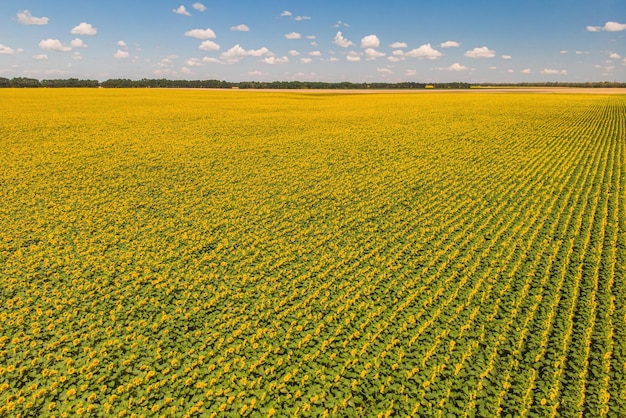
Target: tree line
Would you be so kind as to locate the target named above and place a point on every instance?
(25, 82)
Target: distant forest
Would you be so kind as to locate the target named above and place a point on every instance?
(22, 82)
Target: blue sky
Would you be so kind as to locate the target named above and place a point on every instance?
(322, 40)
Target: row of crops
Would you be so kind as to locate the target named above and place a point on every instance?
(278, 254)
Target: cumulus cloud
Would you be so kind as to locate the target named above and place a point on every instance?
(353, 56)
(372, 54)
(275, 60)
(526, 71)
(550, 71)
(398, 45)
(120, 54)
(506, 57)
(77, 56)
(615, 56)
(293, 53)
(293, 35)
(5, 50)
(240, 28)
(212, 60)
(121, 43)
(333, 59)
(181, 10)
(40, 57)
(455, 67)
(424, 51)
(306, 60)
(341, 41)
(285, 13)
(201, 33)
(315, 53)
(582, 52)
(77, 43)
(237, 52)
(301, 18)
(384, 70)
(394, 58)
(564, 51)
(410, 72)
(25, 18)
(450, 44)
(340, 24)
(54, 45)
(85, 29)
(209, 46)
(608, 27)
(482, 52)
(199, 7)
(370, 41)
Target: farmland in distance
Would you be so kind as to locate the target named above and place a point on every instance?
(245, 253)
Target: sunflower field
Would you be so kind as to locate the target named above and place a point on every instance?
(232, 253)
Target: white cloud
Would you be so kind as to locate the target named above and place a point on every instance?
(410, 72)
(340, 24)
(315, 53)
(393, 58)
(301, 18)
(275, 60)
(550, 71)
(240, 28)
(582, 52)
(384, 70)
(493, 67)
(293, 35)
(121, 43)
(209, 46)
(285, 13)
(54, 45)
(615, 56)
(212, 60)
(353, 56)
(614, 27)
(482, 52)
(77, 56)
(199, 7)
(181, 10)
(314, 44)
(84, 29)
(120, 54)
(506, 57)
(256, 73)
(398, 45)
(335, 59)
(424, 51)
(78, 43)
(450, 44)
(193, 62)
(609, 27)
(341, 41)
(185, 70)
(201, 33)
(455, 67)
(25, 18)
(565, 51)
(5, 50)
(237, 52)
(293, 53)
(372, 54)
(310, 37)
(526, 71)
(40, 57)
(370, 41)
(306, 60)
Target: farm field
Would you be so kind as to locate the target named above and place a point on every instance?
(167, 252)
